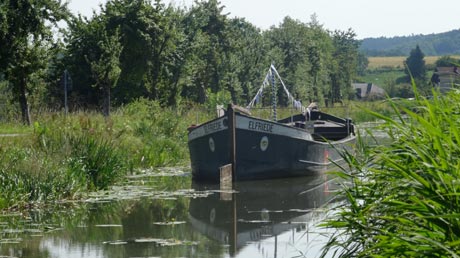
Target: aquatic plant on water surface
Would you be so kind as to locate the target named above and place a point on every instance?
(404, 199)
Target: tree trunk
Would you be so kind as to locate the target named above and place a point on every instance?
(106, 102)
(23, 102)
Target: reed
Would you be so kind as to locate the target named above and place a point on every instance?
(404, 197)
(66, 156)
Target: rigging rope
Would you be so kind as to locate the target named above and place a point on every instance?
(271, 75)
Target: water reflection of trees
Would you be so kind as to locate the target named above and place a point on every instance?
(91, 227)
(110, 226)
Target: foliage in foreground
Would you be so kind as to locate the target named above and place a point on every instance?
(404, 200)
(67, 156)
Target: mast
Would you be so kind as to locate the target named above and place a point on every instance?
(272, 73)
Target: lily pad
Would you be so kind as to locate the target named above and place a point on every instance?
(108, 226)
(253, 221)
(156, 241)
(117, 242)
(169, 223)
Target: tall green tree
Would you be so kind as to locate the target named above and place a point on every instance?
(205, 27)
(81, 41)
(363, 63)
(247, 60)
(135, 22)
(345, 63)
(415, 65)
(25, 35)
(292, 39)
(106, 67)
(320, 49)
(95, 58)
(150, 36)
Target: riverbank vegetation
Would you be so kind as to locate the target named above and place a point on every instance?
(403, 200)
(67, 156)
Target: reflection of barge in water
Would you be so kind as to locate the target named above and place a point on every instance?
(260, 209)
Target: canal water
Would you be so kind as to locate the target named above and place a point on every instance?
(165, 214)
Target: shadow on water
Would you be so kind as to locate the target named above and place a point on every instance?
(171, 216)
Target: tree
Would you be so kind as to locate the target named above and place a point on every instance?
(363, 63)
(320, 49)
(150, 62)
(25, 36)
(205, 27)
(94, 59)
(106, 67)
(246, 61)
(31, 59)
(415, 65)
(300, 59)
(81, 49)
(345, 64)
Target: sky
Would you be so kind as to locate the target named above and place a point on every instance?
(367, 18)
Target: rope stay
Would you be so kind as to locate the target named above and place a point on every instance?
(274, 97)
(272, 72)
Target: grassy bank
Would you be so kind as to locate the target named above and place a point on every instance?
(404, 198)
(64, 157)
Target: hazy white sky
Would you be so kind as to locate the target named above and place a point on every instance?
(368, 18)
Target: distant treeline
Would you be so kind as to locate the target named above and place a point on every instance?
(145, 49)
(441, 44)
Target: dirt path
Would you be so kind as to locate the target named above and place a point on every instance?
(11, 135)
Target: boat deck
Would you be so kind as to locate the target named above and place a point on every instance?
(323, 130)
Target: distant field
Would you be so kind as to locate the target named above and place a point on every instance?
(397, 61)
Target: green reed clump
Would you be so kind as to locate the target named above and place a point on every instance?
(27, 176)
(404, 200)
(95, 160)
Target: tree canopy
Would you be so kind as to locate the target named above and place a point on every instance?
(134, 49)
(25, 39)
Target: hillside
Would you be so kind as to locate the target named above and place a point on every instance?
(440, 44)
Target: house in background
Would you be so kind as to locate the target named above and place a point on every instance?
(368, 91)
(446, 78)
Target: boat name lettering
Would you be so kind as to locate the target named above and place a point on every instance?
(213, 127)
(265, 127)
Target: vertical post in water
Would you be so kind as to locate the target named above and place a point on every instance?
(226, 185)
(273, 92)
(232, 138)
